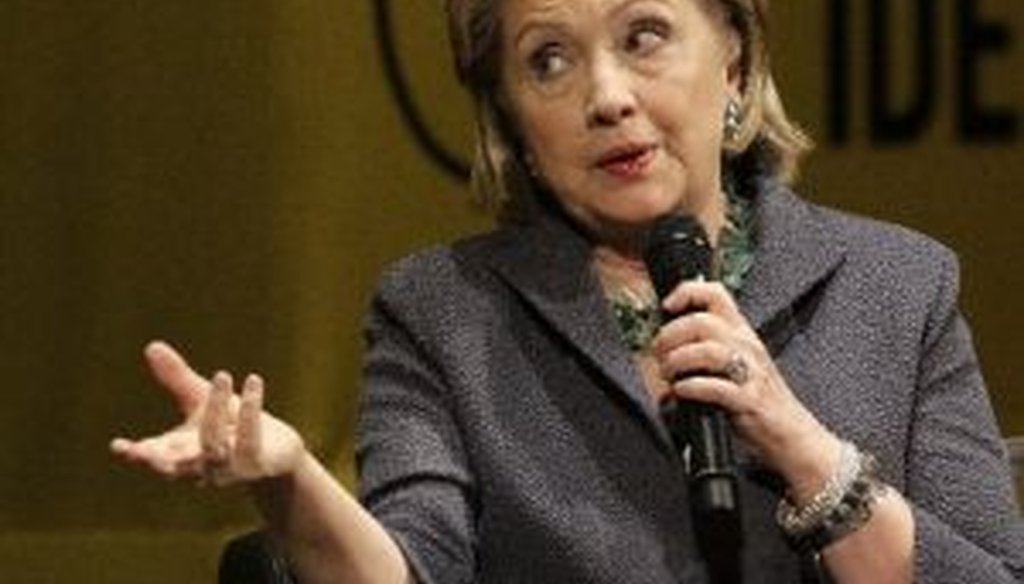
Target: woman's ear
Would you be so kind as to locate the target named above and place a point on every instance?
(734, 63)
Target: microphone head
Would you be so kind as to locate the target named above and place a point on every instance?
(676, 249)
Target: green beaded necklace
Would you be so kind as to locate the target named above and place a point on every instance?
(639, 318)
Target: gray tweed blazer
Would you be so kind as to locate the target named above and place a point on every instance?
(506, 436)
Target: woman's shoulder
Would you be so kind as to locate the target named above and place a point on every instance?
(863, 255)
(881, 245)
(445, 270)
(872, 235)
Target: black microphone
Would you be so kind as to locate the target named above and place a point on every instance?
(677, 249)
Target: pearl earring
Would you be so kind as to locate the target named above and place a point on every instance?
(733, 121)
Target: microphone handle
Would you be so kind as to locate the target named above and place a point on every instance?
(702, 431)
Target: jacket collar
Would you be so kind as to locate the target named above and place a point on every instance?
(795, 252)
(548, 263)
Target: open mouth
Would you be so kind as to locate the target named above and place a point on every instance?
(627, 162)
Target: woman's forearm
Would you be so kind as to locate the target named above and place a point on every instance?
(326, 534)
(881, 551)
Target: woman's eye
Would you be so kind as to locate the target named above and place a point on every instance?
(646, 35)
(548, 61)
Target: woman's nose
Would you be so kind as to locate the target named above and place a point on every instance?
(611, 98)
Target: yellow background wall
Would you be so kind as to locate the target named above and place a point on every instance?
(231, 176)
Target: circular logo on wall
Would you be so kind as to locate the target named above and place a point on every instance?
(411, 113)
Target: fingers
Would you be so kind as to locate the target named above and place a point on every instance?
(217, 424)
(230, 431)
(121, 447)
(172, 371)
(714, 390)
(710, 372)
(694, 328)
(695, 359)
(249, 440)
(218, 448)
(711, 297)
(220, 440)
(707, 337)
(170, 454)
(709, 353)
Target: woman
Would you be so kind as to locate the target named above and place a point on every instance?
(510, 429)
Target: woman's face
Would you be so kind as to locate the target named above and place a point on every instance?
(620, 105)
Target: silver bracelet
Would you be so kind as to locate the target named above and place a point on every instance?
(850, 515)
(795, 521)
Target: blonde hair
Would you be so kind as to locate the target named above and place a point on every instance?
(499, 173)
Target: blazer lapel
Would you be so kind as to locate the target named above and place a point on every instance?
(794, 254)
(548, 263)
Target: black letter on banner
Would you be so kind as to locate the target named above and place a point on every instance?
(837, 101)
(888, 125)
(975, 123)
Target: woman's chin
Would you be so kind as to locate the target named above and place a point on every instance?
(626, 234)
(641, 216)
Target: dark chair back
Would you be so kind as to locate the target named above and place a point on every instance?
(252, 559)
(1015, 445)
